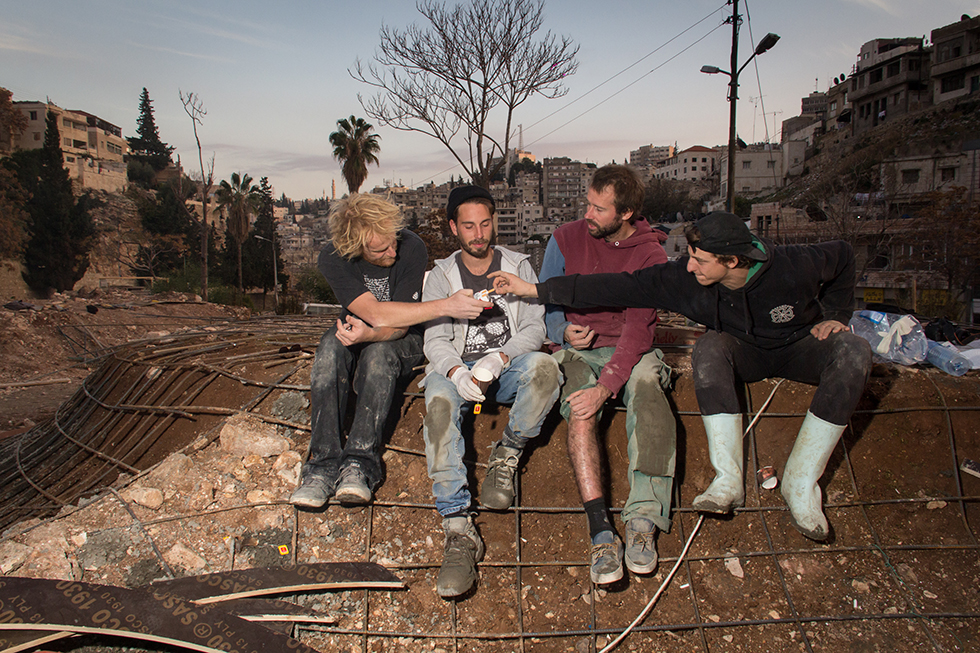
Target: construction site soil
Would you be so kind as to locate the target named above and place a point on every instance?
(201, 418)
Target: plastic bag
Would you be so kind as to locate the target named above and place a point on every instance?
(895, 338)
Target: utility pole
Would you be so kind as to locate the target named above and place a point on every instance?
(765, 44)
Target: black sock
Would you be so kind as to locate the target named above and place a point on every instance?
(598, 514)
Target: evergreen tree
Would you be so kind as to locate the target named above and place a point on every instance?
(56, 255)
(257, 254)
(147, 147)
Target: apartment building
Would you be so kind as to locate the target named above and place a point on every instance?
(891, 78)
(956, 61)
(93, 148)
(529, 184)
(564, 187)
(696, 162)
(648, 158)
(758, 168)
(651, 155)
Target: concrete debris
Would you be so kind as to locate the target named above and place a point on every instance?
(12, 556)
(287, 467)
(734, 567)
(292, 407)
(173, 473)
(52, 558)
(148, 497)
(245, 434)
(180, 556)
(260, 496)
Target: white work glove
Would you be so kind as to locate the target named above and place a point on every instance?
(465, 385)
(492, 363)
(899, 328)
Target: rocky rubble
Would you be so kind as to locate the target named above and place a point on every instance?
(204, 511)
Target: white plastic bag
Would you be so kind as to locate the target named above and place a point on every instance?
(895, 338)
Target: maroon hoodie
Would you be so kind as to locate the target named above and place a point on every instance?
(629, 330)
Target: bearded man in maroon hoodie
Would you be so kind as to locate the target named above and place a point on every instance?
(606, 353)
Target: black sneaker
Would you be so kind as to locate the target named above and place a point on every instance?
(352, 488)
(464, 549)
(497, 492)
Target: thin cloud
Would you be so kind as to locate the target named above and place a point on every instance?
(27, 42)
(192, 55)
(182, 24)
(887, 6)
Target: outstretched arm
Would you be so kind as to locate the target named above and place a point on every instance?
(460, 306)
(506, 282)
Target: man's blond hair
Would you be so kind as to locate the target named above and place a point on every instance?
(354, 220)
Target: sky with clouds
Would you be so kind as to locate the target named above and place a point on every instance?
(274, 78)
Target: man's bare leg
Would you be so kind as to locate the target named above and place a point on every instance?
(607, 550)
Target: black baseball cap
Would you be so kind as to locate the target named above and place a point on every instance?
(462, 194)
(726, 234)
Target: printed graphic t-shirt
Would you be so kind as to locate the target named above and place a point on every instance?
(351, 278)
(491, 330)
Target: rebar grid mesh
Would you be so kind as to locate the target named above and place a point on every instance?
(118, 423)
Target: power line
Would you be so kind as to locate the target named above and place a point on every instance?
(758, 82)
(636, 81)
(635, 63)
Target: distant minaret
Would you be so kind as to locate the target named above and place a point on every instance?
(333, 189)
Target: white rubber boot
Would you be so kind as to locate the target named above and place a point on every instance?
(727, 491)
(804, 467)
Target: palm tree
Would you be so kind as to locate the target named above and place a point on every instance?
(355, 147)
(241, 198)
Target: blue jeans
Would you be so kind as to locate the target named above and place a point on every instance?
(373, 370)
(651, 428)
(530, 383)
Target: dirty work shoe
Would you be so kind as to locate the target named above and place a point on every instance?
(352, 487)
(497, 492)
(464, 549)
(313, 492)
(607, 558)
(641, 545)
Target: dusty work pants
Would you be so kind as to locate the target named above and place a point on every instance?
(838, 366)
(651, 429)
(375, 369)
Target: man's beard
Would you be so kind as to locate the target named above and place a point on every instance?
(475, 253)
(599, 232)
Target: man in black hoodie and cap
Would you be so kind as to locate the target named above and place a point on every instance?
(770, 312)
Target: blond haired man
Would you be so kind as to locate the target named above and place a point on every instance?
(375, 268)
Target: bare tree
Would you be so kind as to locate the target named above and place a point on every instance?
(944, 238)
(853, 204)
(465, 72)
(194, 108)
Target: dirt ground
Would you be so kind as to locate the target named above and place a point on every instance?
(902, 571)
(59, 341)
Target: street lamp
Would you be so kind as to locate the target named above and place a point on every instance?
(765, 44)
(275, 269)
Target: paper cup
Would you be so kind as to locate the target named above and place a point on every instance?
(483, 378)
(767, 477)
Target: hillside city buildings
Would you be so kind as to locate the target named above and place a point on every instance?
(94, 148)
(891, 78)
